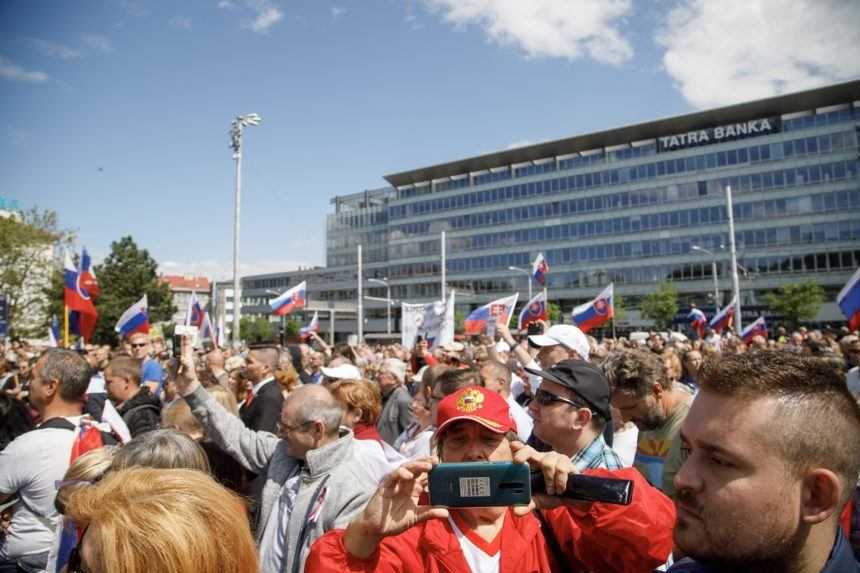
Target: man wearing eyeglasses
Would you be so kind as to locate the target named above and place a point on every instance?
(571, 410)
(151, 373)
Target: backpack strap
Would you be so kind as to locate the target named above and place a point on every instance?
(57, 424)
(152, 407)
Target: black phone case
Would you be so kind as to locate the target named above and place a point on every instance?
(479, 484)
(590, 488)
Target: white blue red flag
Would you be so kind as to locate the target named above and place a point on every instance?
(314, 326)
(194, 315)
(78, 300)
(290, 300)
(498, 311)
(135, 319)
(849, 301)
(54, 333)
(698, 320)
(88, 275)
(756, 328)
(596, 312)
(539, 269)
(533, 311)
(207, 330)
(723, 319)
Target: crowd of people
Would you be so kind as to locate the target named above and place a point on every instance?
(310, 457)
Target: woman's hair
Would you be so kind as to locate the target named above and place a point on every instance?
(355, 394)
(166, 449)
(287, 377)
(85, 470)
(178, 416)
(171, 521)
(225, 398)
(672, 365)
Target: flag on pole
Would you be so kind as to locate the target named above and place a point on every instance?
(54, 333)
(533, 311)
(290, 300)
(723, 319)
(596, 312)
(849, 301)
(314, 326)
(78, 300)
(756, 328)
(498, 311)
(698, 320)
(134, 319)
(195, 312)
(207, 330)
(539, 269)
(88, 275)
(433, 321)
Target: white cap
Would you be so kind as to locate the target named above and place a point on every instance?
(565, 334)
(502, 346)
(453, 346)
(342, 372)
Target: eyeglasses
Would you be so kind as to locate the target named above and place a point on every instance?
(139, 344)
(545, 398)
(283, 429)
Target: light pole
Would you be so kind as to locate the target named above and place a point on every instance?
(387, 286)
(736, 286)
(236, 143)
(713, 274)
(528, 274)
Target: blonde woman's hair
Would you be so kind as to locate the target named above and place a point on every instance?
(178, 416)
(85, 470)
(225, 398)
(355, 394)
(171, 521)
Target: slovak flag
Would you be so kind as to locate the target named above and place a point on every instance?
(698, 320)
(723, 319)
(498, 311)
(207, 330)
(757, 328)
(78, 299)
(134, 319)
(539, 269)
(54, 333)
(596, 312)
(194, 316)
(534, 310)
(290, 300)
(849, 301)
(314, 326)
(88, 275)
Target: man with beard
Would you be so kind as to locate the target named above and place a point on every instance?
(643, 394)
(772, 457)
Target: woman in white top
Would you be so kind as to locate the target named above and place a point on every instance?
(415, 441)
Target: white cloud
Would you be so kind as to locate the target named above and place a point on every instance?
(226, 4)
(223, 269)
(568, 29)
(180, 23)
(517, 144)
(14, 72)
(54, 50)
(267, 15)
(337, 12)
(98, 43)
(726, 51)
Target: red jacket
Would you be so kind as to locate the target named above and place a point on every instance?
(598, 538)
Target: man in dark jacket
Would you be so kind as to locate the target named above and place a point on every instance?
(140, 410)
(262, 407)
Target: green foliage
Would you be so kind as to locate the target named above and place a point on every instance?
(618, 308)
(796, 302)
(256, 330)
(661, 306)
(26, 264)
(554, 312)
(125, 275)
(459, 322)
(293, 328)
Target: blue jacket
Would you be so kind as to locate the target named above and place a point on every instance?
(841, 561)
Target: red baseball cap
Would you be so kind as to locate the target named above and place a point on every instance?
(479, 405)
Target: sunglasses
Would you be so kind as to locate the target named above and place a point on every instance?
(139, 344)
(545, 398)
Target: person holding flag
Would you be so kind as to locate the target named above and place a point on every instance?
(723, 319)
(698, 320)
(533, 311)
(314, 326)
(290, 300)
(134, 325)
(495, 312)
(540, 268)
(595, 313)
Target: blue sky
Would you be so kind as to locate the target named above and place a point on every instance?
(117, 113)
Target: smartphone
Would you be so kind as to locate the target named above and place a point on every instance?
(534, 328)
(590, 488)
(479, 484)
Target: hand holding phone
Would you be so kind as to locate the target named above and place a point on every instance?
(480, 484)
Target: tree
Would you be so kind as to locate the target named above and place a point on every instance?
(256, 330)
(554, 312)
(293, 328)
(459, 321)
(661, 306)
(796, 302)
(125, 276)
(619, 310)
(27, 242)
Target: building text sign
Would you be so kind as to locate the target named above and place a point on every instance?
(719, 134)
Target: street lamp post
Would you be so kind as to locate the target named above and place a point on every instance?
(713, 274)
(387, 286)
(527, 273)
(236, 143)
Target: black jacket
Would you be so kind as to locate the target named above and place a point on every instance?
(141, 413)
(265, 409)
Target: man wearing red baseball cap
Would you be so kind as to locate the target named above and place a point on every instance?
(395, 532)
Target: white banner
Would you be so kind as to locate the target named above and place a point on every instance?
(433, 321)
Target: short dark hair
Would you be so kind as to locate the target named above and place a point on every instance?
(69, 368)
(454, 379)
(125, 366)
(634, 371)
(268, 354)
(818, 420)
(501, 370)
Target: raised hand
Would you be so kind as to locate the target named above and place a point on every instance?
(555, 468)
(393, 509)
(186, 377)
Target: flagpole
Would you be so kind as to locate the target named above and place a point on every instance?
(66, 326)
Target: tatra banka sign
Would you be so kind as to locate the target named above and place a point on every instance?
(719, 134)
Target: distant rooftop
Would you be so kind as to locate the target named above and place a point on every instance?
(182, 282)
